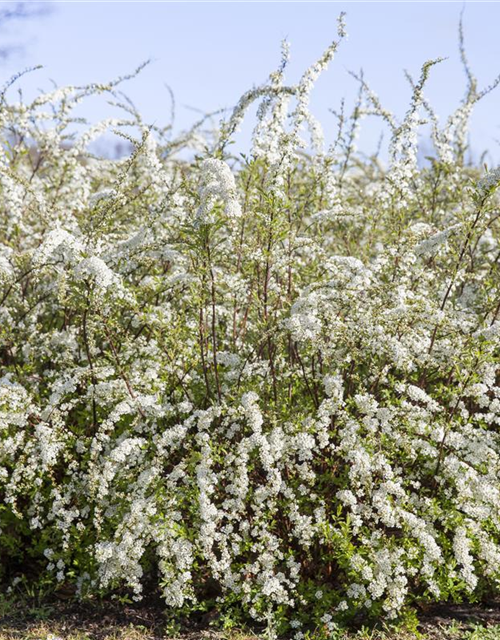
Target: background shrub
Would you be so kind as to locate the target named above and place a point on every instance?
(269, 382)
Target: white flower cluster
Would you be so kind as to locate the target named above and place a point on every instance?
(490, 182)
(217, 183)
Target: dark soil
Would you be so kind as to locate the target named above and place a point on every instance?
(147, 621)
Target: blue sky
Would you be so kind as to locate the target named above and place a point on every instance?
(210, 53)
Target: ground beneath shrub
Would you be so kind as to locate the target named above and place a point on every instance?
(112, 621)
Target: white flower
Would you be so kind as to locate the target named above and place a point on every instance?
(217, 183)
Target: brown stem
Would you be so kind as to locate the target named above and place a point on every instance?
(455, 271)
(122, 373)
(311, 391)
(91, 364)
(214, 323)
(201, 330)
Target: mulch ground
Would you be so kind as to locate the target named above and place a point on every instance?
(147, 622)
(97, 622)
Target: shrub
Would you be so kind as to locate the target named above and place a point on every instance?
(270, 381)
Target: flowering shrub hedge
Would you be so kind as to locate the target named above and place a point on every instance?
(270, 382)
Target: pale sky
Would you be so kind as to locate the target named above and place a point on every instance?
(209, 53)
